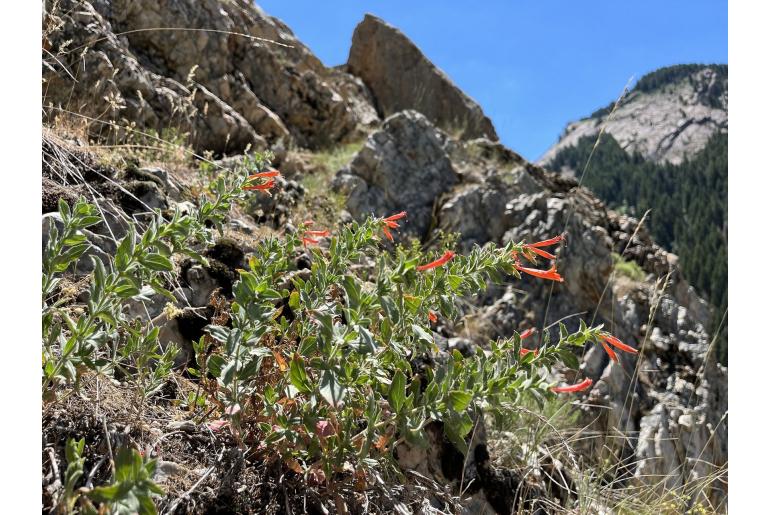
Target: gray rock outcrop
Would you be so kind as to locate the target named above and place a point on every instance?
(401, 167)
(401, 77)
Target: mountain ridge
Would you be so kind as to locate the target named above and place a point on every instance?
(668, 115)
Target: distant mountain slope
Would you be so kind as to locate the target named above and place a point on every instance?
(669, 114)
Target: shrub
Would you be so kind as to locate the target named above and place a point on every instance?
(319, 367)
(630, 269)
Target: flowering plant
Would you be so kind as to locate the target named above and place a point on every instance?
(316, 366)
(324, 368)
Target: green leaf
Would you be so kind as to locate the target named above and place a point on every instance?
(366, 343)
(298, 376)
(422, 335)
(146, 506)
(105, 493)
(331, 389)
(397, 394)
(455, 281)
(412, 303)
(569, 359)
(157, 262)
(228, 373)
(218, 332)
(64, 209)
(459, 400)
(294, 300)
(352, 290)
(271, 294)
(126, 290)
(456, 428)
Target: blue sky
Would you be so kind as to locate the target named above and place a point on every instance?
(532, 65)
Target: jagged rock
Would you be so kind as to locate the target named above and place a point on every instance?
(685, 436)
(400, 77)
(169, 185)
(166, 470)
(140, 196)
(49, 221)
(181, 330)
(113, 83)
(242, 226)
(220, 273)
(474, 212)
(53, 192)
(401, 167)
(147, 308)
(245, 101)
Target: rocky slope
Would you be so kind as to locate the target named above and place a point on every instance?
(670, 114)
(227, 74)
(434, 156)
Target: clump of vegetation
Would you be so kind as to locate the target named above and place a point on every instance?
(130, 491)
(335, 158)
(630, 269)
(314, 372)
(325, 203)
(672, 74)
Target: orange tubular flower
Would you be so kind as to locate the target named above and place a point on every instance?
(308, 223)
(397, 216)
(535, 247)
(617, 343)
(323, 233)
(390, 223)
(432, 317)
(551, 274)
(548, 242)
(523, 352)
(264, 175)
(309, 241)
(526, 334)
(269, 175)
(439, 262)
(610, 353)
(586, 383)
